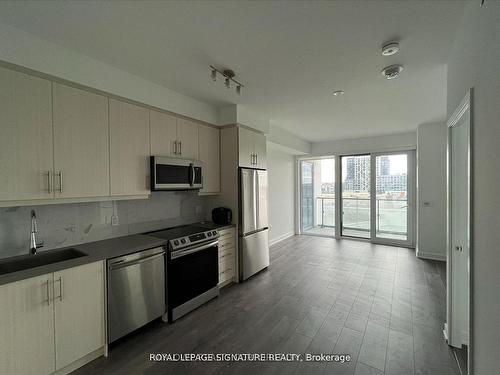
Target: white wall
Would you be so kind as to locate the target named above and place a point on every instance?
(431, 191)
(29, 51)
(391, 142)
(281, 167)
(475, 62)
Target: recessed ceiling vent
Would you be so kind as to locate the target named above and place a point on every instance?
(390, 49)
(392, 71)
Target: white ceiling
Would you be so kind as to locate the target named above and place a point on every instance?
(291, 56)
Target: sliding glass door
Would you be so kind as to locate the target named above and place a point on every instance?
(373, 199)
(392, 197)
(356, 218)
(318, 196)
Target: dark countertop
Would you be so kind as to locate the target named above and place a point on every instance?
(97, 251)
(211, 225)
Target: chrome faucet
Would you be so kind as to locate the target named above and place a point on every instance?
(34, 229)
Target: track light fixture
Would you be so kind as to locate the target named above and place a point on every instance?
(228, 76)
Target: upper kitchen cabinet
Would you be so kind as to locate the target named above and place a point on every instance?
(187, 136)
(209, 153)
(25, 137)
(260, 147)
(171, 136)
(81, 143)
(129, 148)
(252, 149)
(163, 134)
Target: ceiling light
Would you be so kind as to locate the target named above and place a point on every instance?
(228, 76)
(391, 72)
(390, 49)
(338, 92)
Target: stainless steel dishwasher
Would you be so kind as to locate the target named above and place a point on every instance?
(136, 291)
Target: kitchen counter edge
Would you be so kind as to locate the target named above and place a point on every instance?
(97, 251)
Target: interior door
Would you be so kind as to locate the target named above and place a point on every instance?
(248, 186)
(392, 197)
(459, 230)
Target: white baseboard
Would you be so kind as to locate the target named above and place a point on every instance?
(281, 238)
(431, 256)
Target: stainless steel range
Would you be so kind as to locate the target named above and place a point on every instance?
(192, 268)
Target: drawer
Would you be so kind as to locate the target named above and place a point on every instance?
(225, 254)
(227, 244)
(227, 233)
(226, 273)
(226, 262)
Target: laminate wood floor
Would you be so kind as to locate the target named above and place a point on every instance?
(380, 304)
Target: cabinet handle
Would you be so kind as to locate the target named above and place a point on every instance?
(180, 147)
(48, 292)
(175, 147)
(59, 174)
(256, 159)
(49, 184)
(60, 296)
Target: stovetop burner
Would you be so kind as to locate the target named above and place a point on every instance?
(185, 235)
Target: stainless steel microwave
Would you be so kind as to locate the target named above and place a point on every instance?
(175, 174)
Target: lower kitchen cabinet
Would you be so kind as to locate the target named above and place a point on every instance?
(27, 327)
(48, 322)
(227, 256)
(79, 312)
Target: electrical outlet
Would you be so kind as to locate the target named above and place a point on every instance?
(114, 220)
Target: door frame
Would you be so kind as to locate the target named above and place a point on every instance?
(460, 114)
(411, 193)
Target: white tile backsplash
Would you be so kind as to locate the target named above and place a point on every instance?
(70, 224)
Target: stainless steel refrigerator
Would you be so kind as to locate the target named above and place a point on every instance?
(253, 223)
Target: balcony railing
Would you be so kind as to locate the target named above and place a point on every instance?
(391, 215)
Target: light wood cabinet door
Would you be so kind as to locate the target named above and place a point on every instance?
(79, 312)
(246, 147)
(26, 150)
(260, 148)
(129, 148)
(163, 133)
(187, 135)
(27, 327)
(209, 152)
(81, 143)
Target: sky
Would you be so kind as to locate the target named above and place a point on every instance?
(397, 162)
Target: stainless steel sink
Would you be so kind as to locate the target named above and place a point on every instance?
(25, 262)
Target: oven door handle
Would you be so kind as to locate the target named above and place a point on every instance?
(184, 252)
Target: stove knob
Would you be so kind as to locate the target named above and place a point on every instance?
(176, 243)
(214, 233)
(209, 234)
(183, 240)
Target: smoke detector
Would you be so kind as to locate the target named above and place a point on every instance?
(391, 72)
(390, 49)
